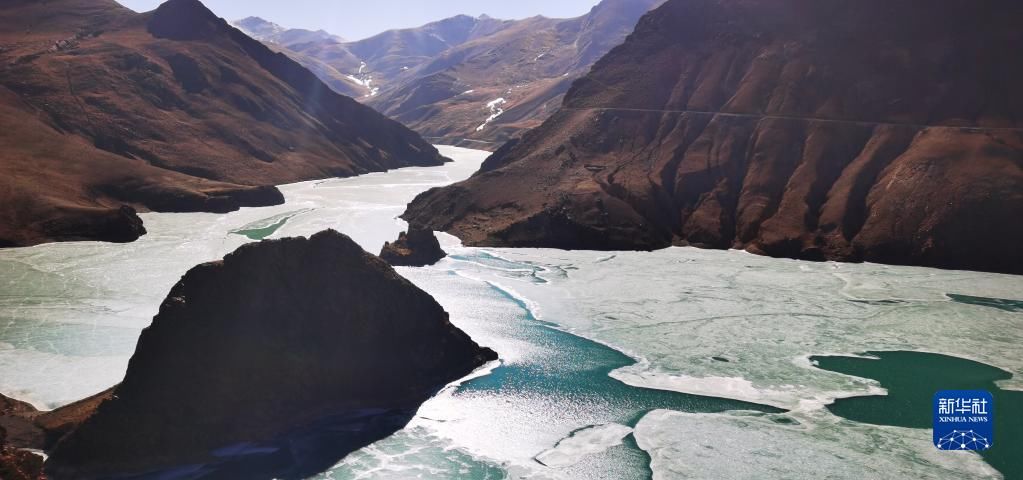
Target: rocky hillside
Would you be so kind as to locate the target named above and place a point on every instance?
(292, 40)
(19, 464)
(15, 430)
(272, 363)
(485, 91)
(816, 129)
(104, 111)
(361, 68)
(472, 81)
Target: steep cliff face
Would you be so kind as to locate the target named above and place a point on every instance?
(172, 110)
(278, 336)
(879, 131)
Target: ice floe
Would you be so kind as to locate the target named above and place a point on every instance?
(595, 439)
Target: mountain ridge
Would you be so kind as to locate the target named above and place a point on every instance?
(526, 67)
(269, 32)
(440, 78)
(795, 129)
(107, 111)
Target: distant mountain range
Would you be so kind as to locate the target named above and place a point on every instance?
(463, 80)
(104, 111)
(268, 32)
(817, 129)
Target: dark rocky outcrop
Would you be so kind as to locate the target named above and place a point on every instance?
(816, 129)
(417, 248)
(17, 431)
(18, 464)
(25, 427)
(254, 359)
(170, 110)
(117, 225)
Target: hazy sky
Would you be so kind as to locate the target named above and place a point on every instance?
(355, 20)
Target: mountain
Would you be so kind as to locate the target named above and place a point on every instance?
(814, 129)
(291, 40)
(472, 81)
(366, 65)
(269, 32)
(104, 111)
(490, 89)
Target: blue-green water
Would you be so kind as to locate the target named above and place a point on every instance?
(999, 303)
(549, 385)
(261, 229)
(574, 372)
(912, 379)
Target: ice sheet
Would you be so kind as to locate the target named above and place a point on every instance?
(739, 445)
(764, 316)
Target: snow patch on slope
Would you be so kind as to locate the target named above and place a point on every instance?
(364, 80)
(361, 82)
(495, 111)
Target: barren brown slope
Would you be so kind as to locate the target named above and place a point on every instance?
(818, 129)
(173, 110)
(390, 57)
(447, 78)
(493, 87)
